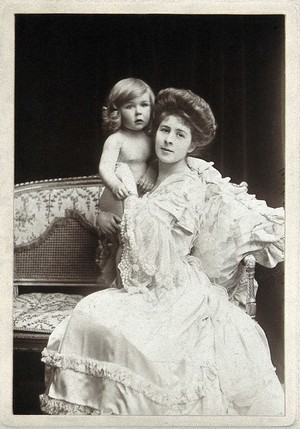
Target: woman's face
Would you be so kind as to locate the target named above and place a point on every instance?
(173, 140)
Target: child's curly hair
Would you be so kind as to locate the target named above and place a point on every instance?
(122, 92)
(193, 110)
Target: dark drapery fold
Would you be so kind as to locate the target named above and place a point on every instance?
(247, 88)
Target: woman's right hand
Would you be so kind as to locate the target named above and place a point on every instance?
(108, 223)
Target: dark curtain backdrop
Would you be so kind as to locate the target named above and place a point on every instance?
(66, 64)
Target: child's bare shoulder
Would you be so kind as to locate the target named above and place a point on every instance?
(114, 141)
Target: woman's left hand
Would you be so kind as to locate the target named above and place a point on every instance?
(147, 181)
(108, 223)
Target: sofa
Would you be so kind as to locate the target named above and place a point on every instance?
(59, 255)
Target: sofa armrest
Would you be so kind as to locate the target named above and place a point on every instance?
(249, 261)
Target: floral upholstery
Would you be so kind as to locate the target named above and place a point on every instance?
(35, 210)
(42, 312)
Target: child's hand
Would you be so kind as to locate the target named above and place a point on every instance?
(120, 191)
(147, 181)
(123, 173)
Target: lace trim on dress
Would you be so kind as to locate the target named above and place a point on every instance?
(147, 262)
(133, 381)
(58, 406)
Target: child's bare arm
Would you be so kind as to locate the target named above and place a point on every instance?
(109, 158)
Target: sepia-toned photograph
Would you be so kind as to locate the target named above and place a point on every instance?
(149, 224)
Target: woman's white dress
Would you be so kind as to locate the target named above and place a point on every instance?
(170, 342)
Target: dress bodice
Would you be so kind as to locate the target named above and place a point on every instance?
(202, 214)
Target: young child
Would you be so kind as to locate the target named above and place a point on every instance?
(127, 119)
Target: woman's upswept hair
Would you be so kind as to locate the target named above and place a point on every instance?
(122, 92)
(193, 110)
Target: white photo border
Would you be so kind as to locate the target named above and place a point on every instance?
(288, 8)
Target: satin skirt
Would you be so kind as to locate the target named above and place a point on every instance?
(193, 353)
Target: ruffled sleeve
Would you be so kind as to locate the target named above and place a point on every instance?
(150, 257)
(233, 224)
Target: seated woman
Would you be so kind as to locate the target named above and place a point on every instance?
(170, 342)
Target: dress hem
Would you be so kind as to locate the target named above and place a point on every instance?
(131, 380)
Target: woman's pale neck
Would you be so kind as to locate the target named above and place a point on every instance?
(166, 170)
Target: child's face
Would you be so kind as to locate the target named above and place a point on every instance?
(173, 140)
(136, 113)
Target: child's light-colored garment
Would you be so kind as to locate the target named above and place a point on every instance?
(170, 342)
